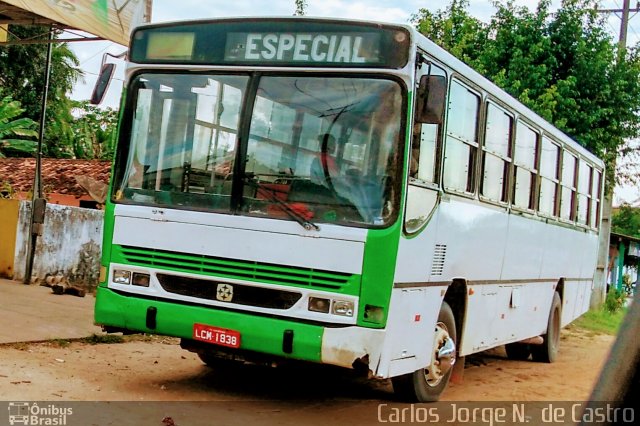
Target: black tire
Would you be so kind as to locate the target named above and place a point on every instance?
(518, 351)
(548, 351)
(415, 387)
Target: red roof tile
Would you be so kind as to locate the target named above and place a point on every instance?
(58, 175)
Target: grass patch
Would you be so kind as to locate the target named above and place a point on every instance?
(601, 321)
(61, 343)
(96, 339)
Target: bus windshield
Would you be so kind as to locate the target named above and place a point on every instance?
(322, 149)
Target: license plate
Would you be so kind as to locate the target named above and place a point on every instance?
(216, 335)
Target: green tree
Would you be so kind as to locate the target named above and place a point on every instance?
(626, 220)
(22, 73)
(301, 7)
(14, 129)
(564, 66)
(455, 30)
(93, 131)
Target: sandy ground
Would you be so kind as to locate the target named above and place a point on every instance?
(156, 369)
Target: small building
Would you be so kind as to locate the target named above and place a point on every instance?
(624, 259)
(60, 179)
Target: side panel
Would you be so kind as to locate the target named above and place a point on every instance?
(526, 243)
(511, 263)
(415, 255)
(403, 347)
(576, 300)
(412, 318)
(475, 238)
(564, 249)
(499, 314)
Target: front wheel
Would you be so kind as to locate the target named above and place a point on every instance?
(548, 351)
(428, 383)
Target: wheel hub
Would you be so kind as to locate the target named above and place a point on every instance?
(443, 356)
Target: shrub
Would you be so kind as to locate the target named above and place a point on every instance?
(615, 300)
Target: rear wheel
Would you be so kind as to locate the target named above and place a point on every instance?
(548, 351)
(518, 351)
(427, 384)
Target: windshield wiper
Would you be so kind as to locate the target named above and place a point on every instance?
(271, 196)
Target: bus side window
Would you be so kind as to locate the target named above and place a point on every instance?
(549, 179)
(525, 167)
(596, 192)
(585, 177)
(423, 164)
(462, 139)
(496, 154)
(423, 152)
(426, 129)
(568, 186)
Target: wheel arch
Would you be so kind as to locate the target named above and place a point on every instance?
(559, 288)
(456, 297)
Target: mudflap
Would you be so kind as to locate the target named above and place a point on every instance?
(458, 371)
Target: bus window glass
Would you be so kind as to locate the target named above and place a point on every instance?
(526, 147)
(525, 154)
(596, 190)
(548, 177)
(423, 169)
(493, 178)
(461, 142)
(498, 131)
(424, 152)
(569, 163)
(178, 143)
(496, 152)
(584, 193)
(329, 151)
(463, 113)
(271, 122)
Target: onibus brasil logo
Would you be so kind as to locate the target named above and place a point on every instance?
(30, 413)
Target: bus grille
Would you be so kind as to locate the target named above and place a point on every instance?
(234, 268)
(241, 294)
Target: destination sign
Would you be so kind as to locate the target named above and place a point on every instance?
(356, 48)
(273, 42)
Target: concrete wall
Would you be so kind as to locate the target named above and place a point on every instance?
(9, 210)
(70, 245)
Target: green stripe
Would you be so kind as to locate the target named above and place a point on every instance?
(238, 269)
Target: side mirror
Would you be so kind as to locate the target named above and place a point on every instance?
(430, 100)
(104, 79)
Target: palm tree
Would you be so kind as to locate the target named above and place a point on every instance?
(11, 126)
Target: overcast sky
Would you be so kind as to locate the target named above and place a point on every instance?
(397, 11)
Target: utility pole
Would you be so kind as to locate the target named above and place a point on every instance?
(38, 202)
(600, 278)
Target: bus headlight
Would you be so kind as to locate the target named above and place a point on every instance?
(318, 304)
(141, 280)
(120, 276)
(342, 307)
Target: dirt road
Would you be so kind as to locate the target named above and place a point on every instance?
(156, 369)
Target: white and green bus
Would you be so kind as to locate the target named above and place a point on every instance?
(340, 192)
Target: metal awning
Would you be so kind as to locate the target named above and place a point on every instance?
(104, 19)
